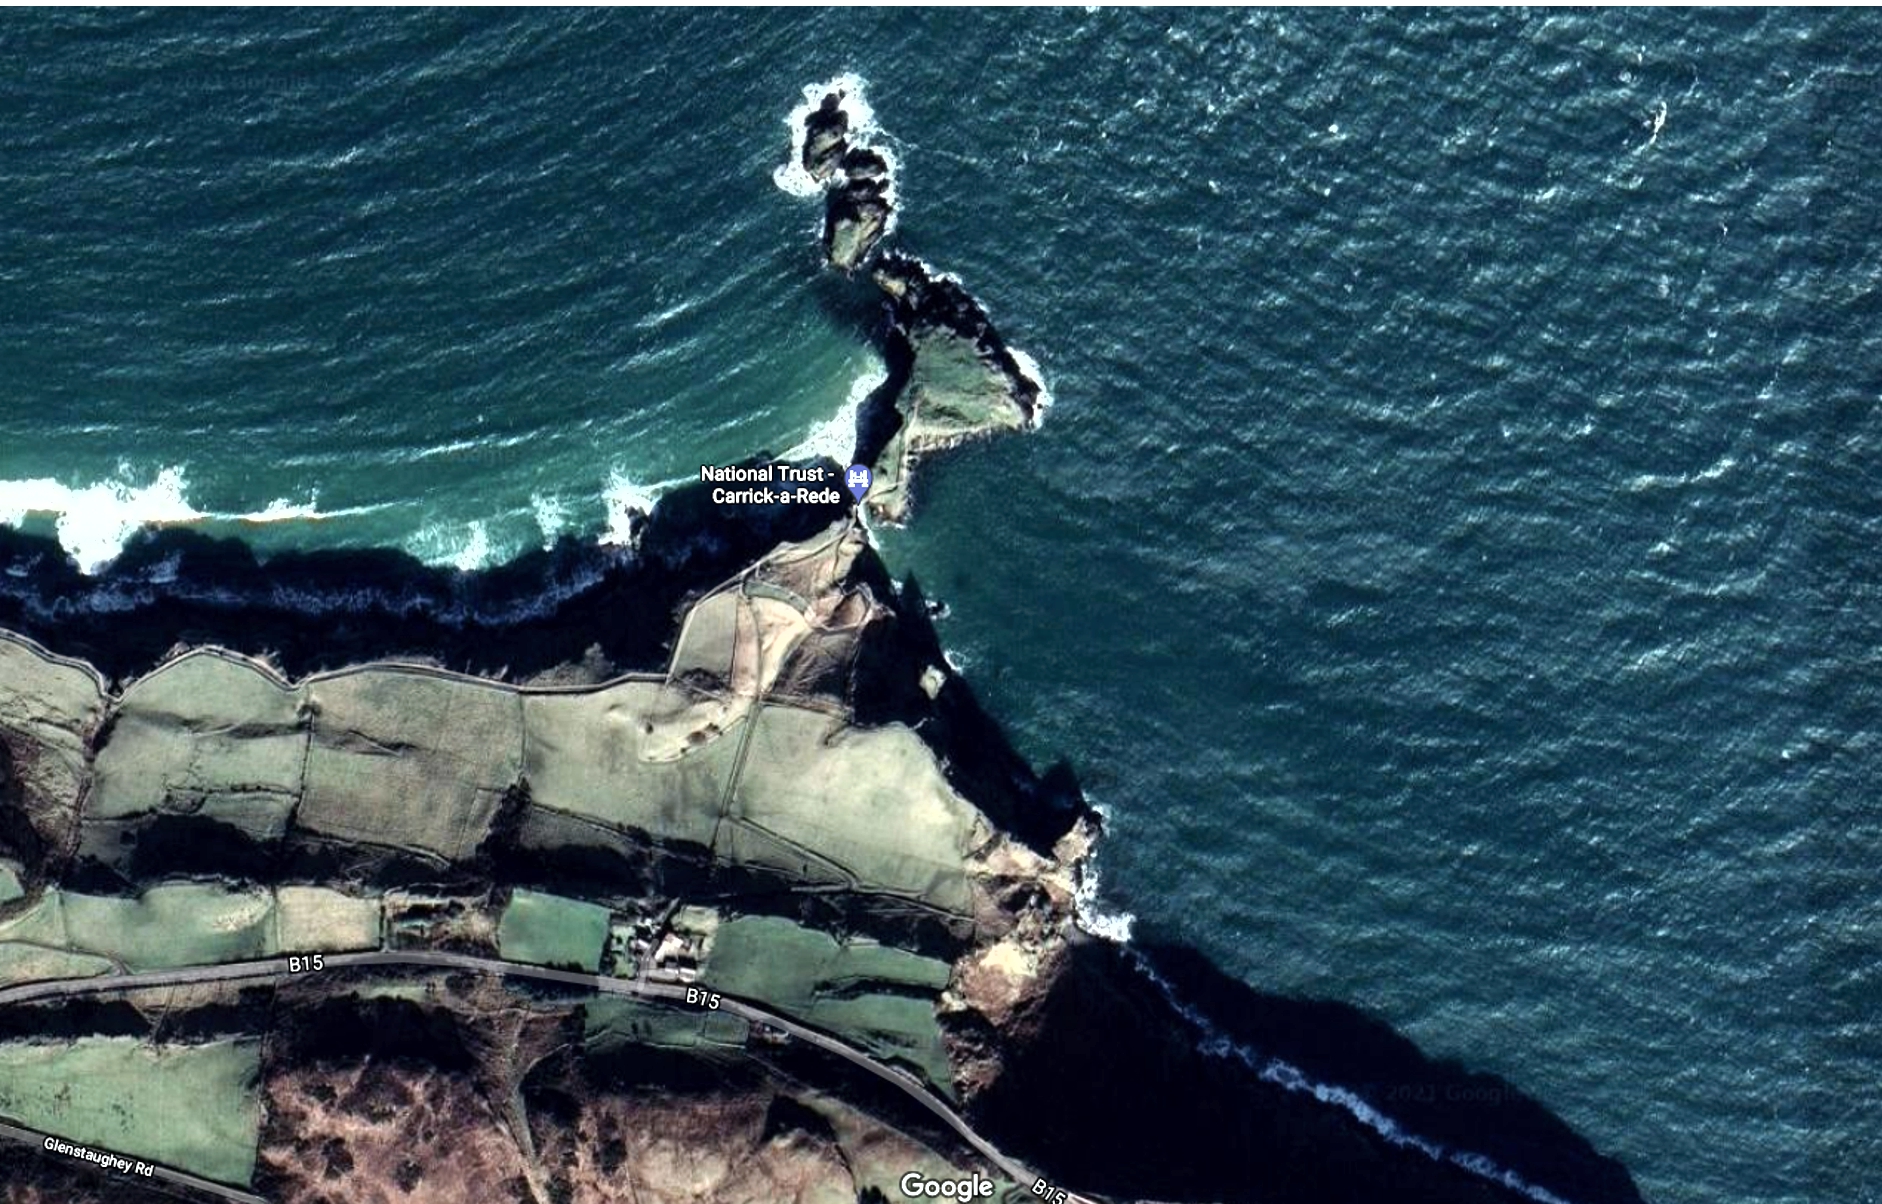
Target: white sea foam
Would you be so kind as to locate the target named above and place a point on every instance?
(94, 521)
(790, 176)
(1090, 914)
(1093, 916)
(464, 548)
(475, 553)
(282, 510)
(552, 516)
(629, 503)
(1642, 482)
(1029, 368)
(835, 437)
(1656, 123)
(1213, 1042)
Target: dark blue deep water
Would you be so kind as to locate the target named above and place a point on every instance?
(1451, 560)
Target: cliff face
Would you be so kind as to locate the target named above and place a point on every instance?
(1118, 1073)
(732, 756)
(798, 712)
(1148, 1074)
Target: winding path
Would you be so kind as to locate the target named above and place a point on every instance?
(638, 988)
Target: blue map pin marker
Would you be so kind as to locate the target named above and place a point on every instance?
(857, 478)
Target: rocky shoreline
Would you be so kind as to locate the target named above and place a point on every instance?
(1069, 1051)
(1118, 1072)
(952, 377)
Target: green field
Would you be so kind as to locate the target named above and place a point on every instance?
(207, 736)
(594, 755)
(549, 930)
(871, 805)
(811, 799)
(876, 997)
(33, 963)
(48, 707)
(183, 924)
(405, 759)
(315, 919)
(410, 760)
(612, 1021)
(193, 1107)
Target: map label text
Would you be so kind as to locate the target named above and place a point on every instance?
(917, 1186)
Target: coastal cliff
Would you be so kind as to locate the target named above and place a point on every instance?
(1116, 1072)
(731, 759)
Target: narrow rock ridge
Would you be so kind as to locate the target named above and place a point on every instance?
(953, 378)
(858, 179)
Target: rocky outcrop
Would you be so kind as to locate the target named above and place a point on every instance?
(860, 206)
(961, 381)
(858, 179)
(826, 129)
(952, 376)
(931, 309)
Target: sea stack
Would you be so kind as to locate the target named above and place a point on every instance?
(952, 377)
(858, 180)
(825, 130)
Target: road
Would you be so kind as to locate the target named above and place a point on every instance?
(180, 1178)
(640, 988)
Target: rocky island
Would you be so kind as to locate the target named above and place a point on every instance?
(683, 872)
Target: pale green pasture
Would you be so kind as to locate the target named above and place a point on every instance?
(193, 1107)
(877, 997)
(549, 930)
(181, 924)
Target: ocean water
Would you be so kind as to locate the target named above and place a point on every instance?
(1451, 561)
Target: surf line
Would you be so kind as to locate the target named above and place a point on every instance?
(1213, 1042)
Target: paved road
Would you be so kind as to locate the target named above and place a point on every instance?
(180, 1178)
(635, 987)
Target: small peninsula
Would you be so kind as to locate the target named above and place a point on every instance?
(686, 871)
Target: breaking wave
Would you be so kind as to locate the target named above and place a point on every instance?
(94, 522)
(790, 176)
(1029, 368)
(835, 437)
(464, 548)
(1215, 1043)
(1092, 915)
(552, 516)
(629, 503)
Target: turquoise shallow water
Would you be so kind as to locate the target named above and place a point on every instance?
(1450, 560)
